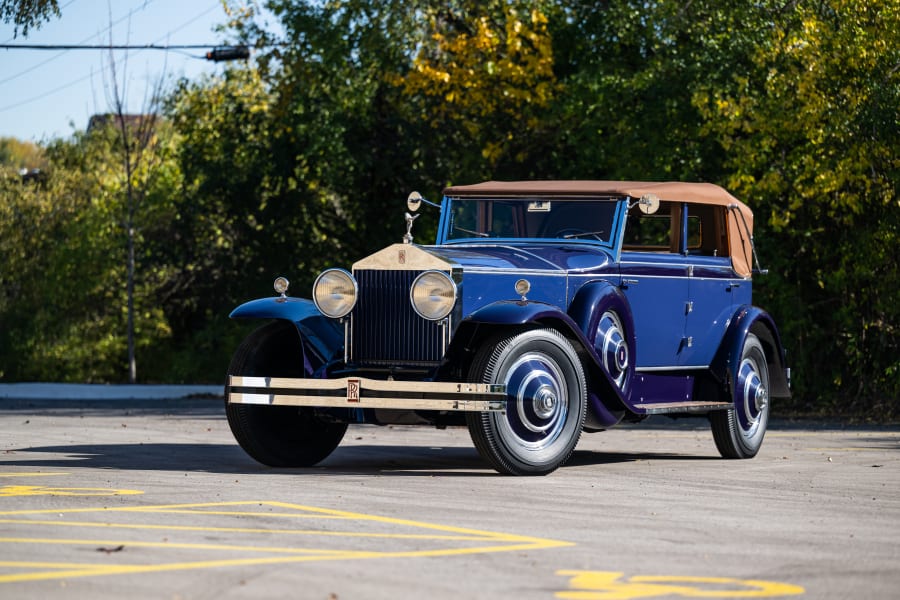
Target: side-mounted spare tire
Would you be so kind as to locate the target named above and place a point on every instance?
(278, 436)
(547, 400)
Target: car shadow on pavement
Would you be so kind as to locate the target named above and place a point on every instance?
(582, 458)
(358, 459)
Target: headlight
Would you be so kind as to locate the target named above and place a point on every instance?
(433, 295)
(334, 293)
(281, 285)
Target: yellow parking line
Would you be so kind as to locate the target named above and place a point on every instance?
(165, 545)
(37, 490)
(268, 530)
(471, 541)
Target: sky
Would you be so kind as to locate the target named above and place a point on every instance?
(46, 94)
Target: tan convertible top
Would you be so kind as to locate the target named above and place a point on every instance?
(672, 191)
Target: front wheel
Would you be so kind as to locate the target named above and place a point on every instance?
(739, 431)
(546, 402)
(278, 436)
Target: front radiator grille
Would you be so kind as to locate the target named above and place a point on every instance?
(385, 330)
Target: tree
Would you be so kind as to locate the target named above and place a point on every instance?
(27, 13)
(137, 146)
(482, 80)
(302, 160)
(811, 133)
(62, 264)
(20, 155)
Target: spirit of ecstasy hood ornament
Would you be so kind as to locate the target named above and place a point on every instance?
(408, 238)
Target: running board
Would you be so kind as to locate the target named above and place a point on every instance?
(661, 408)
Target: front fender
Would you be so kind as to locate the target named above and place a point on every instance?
(498, 316)
(590, 309)
(322, 335)
(751, 319)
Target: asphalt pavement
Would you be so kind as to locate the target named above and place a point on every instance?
(69, 392)
(107, 495)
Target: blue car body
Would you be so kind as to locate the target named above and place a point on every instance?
(648, 285)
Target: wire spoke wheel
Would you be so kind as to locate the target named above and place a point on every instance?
(546, 402)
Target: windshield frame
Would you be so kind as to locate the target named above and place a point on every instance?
(609, 239)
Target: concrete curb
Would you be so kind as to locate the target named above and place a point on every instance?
(90, 391)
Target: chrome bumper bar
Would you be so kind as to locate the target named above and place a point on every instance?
(362, 392)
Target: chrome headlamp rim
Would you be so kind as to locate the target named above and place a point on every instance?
(445, 310)
(349, 279)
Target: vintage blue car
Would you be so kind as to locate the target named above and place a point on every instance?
(543, 309)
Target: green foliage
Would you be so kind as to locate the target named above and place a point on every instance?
(27, 13)
(302, 160)
(63, 243)
(20, 155)
(810, 132)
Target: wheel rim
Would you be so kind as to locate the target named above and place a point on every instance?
(539, 402)
(612, 348)
(752, 402)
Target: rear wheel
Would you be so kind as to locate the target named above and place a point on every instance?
(739, 431)
(278, 436)
(546, 394)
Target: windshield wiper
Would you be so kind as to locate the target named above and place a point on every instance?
(596, 234)
(469, 231)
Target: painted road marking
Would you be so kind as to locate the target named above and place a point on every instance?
(35, 490)
(606, 585)
(331, 532)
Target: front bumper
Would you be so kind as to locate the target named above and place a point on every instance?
(362, 392)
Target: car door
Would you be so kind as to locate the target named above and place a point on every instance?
(713, 286)
(654, 279)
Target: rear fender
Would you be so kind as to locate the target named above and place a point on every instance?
(750, 319)
(322, 338)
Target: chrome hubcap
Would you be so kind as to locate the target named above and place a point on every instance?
(537, 409)
(544, 402)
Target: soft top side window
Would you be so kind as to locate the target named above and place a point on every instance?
(659, 232)
(705, 228)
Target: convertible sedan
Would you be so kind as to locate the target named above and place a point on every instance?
(543, 310)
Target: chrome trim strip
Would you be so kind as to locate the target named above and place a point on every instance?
(524, 272)
(362, 392)
(654, 369)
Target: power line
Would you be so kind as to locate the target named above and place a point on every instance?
(54, 57)
(118, 46)
(217, 54)
(89, 75)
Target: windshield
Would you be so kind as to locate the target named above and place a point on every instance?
(568, 219)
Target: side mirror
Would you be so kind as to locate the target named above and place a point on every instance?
(648, 204)
(414, 201)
